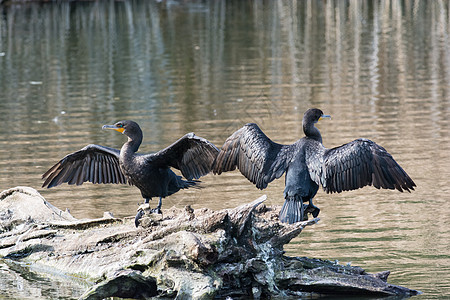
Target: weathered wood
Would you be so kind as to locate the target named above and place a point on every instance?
(185, 253)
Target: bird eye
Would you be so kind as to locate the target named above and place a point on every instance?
(120, 125)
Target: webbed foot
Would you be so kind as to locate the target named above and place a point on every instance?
(141, 212)
(139, 215)
(314, 210)
(145, 208)
(305, 212)
(156, 210)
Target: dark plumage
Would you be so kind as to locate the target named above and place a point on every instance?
(151, 173)
(307, 163)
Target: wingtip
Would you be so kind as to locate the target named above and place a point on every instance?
(46, 186)
(46, 183)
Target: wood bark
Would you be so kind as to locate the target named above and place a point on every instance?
(182, 254)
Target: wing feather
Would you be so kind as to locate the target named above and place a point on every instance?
(191, 154)
(355, 165)
(258, 158)
(93, 163)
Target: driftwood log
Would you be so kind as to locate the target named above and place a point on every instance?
(183, 254)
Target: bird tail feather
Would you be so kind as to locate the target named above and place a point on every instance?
(292, 211)
(191, 184)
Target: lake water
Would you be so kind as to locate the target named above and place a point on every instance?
(381, 69)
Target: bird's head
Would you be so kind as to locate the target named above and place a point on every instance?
(127, 127)
(314, 115)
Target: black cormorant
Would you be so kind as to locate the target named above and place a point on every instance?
(151, 173)
(307, 164)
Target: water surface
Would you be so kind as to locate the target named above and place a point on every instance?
(381, 69)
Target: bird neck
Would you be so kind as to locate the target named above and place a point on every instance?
(312, 132)
(132, 145)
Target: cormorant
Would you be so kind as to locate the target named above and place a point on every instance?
(151, 173)
(307, 163)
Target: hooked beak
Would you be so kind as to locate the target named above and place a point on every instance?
(325, 117)
(113, 127)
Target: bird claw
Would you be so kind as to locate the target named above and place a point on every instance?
(138, 217)
(305, 212)
(143, 209)
(141, 212)
(156, 210)
(312, 209)
(316, 212)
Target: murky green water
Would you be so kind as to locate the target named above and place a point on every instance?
(380, 68)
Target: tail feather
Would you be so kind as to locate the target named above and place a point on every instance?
(185, 184)
(292, 211)
(177, 183)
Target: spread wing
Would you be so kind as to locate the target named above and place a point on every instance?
(93, 163)
(355, 165)
(258, 158)
(191, 154)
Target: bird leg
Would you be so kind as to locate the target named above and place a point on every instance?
(158, 208)
(139, 215)
(145, 207)
(304, 212)
(141, 211)
(311, 208)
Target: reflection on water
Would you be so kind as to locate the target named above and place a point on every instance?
(380, 68)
